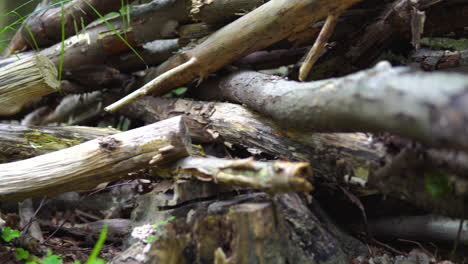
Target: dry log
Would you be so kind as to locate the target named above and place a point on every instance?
(26, 80)
(272, 177)
(100, 160)
(273, 21)
(382, 99)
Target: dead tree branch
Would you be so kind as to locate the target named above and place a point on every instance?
(100, 160)
(382, 99)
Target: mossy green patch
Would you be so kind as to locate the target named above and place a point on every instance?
(445, 43)
(362, 173)
(40, 140)
(437, 184)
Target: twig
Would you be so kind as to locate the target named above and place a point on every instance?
(156, 82)
(318, 46)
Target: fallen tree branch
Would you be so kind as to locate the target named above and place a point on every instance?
(319, 45)
(382, 99)
(100, 160)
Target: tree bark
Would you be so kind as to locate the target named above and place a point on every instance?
(248, 228)
(23, 142)
(382, 99)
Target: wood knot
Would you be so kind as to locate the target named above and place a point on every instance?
(108, 144)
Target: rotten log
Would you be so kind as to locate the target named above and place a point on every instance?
(24, 81)
(273, 21)
(100, 160)
(256, 228)
(381, 99)
(271, 177)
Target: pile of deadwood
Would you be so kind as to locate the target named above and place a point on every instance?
(238, 163)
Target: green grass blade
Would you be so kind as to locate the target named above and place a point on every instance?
(115, 32)
(62, 43)
(97, 248)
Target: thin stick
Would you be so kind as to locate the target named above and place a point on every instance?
(156, 82)
(318, 46)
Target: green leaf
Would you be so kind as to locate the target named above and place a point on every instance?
(21, 254)
(52, 258)
(115, 31)
(98, 261)
(9, 234)
(180, 90)
(150, 239)
(62, 43)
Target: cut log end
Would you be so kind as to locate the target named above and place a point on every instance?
(24, 81)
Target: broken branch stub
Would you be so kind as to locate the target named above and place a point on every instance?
(100, 160)
(272, 177)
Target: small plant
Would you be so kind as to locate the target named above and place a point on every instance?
(8, 234)
(124, 12)
(156, 226)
